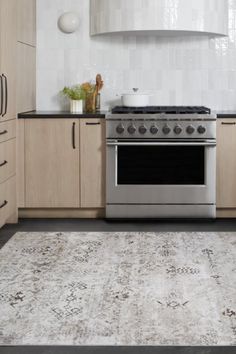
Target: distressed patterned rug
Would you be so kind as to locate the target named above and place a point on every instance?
(118, 289)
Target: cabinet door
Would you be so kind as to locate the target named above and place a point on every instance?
(226, 163)
(7, 160)
(26, 22)
(7, 130)
(8, 57)
(26, 78)
(8, 210)
(20, 163)
(52, 163)
(92, 154)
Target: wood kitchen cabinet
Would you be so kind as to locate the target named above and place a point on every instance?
(8, 59)
(26, 22)
(7, 160)
(226, 167)
(8, 206)
(17, 22)
(92, 138)
(52, 169)
(26, 55)
(63, 167)
(26, 78)
(25, 82)
(8, 212)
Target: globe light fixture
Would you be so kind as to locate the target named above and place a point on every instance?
(68, 22)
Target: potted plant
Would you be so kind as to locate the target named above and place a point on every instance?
(76, 94)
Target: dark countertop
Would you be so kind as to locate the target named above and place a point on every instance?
(60, 114)
(102, 114)
(226, 114)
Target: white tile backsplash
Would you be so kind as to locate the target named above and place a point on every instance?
(178, 70)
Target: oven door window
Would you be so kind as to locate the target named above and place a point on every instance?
(160, 165)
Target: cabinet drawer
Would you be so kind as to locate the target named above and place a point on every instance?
(7, 130)
(7, 200)
(7, 160)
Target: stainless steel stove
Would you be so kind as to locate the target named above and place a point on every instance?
(161, 162)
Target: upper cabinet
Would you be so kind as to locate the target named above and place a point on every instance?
(26, 56)
(26, 22)
(161, 17)
(7, 60)
(26, 78)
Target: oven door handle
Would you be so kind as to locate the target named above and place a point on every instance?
(146, 143)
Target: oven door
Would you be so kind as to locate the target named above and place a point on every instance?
(161, 172)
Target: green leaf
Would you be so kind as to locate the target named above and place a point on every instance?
(74, 92)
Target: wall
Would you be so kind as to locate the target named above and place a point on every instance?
(177, 71)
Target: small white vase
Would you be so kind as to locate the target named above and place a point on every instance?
(76, 106)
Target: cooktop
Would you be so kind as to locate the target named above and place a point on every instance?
(162, 109)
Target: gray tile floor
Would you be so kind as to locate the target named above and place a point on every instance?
(117, 350)
(102, 225)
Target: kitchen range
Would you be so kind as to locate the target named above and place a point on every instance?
(161, 162)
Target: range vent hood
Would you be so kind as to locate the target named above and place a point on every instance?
(161, 17)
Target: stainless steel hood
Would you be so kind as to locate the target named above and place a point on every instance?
(161, 17)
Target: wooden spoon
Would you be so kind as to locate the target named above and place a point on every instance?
(99, 83)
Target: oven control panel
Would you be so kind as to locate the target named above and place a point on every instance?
(161, 129)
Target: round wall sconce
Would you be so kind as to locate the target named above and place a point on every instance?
(68, 22)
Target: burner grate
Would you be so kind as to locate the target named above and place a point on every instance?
(162, 109)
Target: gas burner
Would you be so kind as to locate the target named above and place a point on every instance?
(162, 109)
(161, 122)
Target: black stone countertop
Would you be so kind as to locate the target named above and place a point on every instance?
(226, 114)
(102, 114)
(59, 114)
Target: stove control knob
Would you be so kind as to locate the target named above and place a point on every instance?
(142, 129)
(131, 129)
(154, 129)
(120, 129)
(166, 130)
(190, 129)
(178, 129)
(201, 129)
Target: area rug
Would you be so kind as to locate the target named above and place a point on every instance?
(118, 289)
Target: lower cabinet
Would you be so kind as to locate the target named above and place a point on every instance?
(64, 166)
(7, 160)
(7, 130)
(226, 167)
(92, 156)
(8, 210)
(52, 168)
(8, 205)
